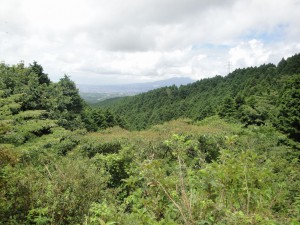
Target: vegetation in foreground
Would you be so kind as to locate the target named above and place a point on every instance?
(60, 163)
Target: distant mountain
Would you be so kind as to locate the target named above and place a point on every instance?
(135, 87)
(177, 81)
(95, 93)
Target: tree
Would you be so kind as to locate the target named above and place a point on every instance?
(38, 69)
(289, 113)
(99, 118)
(68, 89)
(228, 108)
(281, 65)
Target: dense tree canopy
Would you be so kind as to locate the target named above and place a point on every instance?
(289, 110)
(252, 95)
(60, 100)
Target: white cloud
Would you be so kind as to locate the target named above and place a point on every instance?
(123, 41)
(251, 53)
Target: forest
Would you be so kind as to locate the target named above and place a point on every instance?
(222, 150)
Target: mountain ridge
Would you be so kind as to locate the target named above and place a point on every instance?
(96, 93)
(134, 87)
(252, 95)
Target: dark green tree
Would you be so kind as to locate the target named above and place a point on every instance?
(68, 90)
(281, 65)
(228, 108)
(38, 69)
(289, 113)
(99, 118)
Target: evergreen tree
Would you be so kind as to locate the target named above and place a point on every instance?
(38, 69)
(289, 112)
(228, 108)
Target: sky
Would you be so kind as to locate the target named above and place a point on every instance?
(129, 41)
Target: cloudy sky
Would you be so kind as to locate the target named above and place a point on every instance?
(124, 41)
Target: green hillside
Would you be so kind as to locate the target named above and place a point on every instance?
(232, 159)
(252, 95)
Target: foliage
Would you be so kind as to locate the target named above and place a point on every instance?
(289, 111)
(251, 95)
(38, 69)
(62, 162)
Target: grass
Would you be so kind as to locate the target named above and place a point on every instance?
(159, 133)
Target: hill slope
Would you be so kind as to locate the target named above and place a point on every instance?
(54, 171)
(96, 93)
(252, 95)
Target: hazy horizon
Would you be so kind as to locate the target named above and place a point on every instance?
(119, 42)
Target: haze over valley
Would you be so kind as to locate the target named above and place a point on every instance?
(96, 93)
